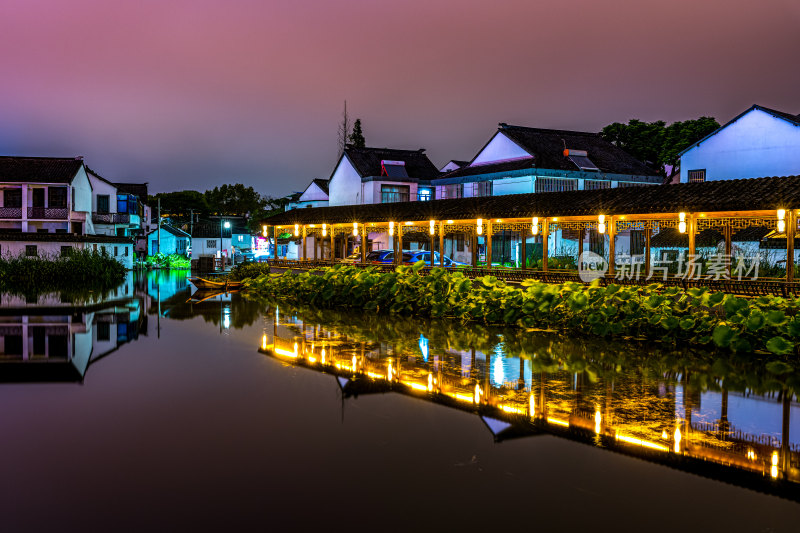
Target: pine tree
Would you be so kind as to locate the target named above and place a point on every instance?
(344, 131)
(357, 137)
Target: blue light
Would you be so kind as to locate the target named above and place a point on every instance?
(423, 347)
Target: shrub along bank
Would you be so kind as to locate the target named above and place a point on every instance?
(81, 269)
(669, 314)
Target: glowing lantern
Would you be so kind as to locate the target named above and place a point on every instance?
(432, 229)
(682, 222)
(297, 230)
(601, 224)
(535, 226)
(324, 230)
(479, 230)
(264, 231)
(781, 220)
(355, 229)
(391, 229)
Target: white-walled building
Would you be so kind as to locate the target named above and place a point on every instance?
(168, 241)
(315, 195)
(760, 142)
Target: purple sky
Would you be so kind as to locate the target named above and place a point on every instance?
(195, 93)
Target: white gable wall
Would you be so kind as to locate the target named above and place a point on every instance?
(313, 193)
(757, 145)
(498, 149)
(345, 185)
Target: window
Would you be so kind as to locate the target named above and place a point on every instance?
(154, 247)
(697, 176)
(103, 331)
(623, 184)
(211, 243)
(556, 184)
(597, 242)
(31, 250)
(394, 193)
(12, 198)
(125, 251)
(66, 251)
(455, 190)
(637, 242)
(424, 195)
(102, 203)
(57, 197)
(483, 188)
(593, 185)
(116, 251)
(459, 242)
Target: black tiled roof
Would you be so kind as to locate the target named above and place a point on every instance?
(672, 238)
(38, 169)
(137, 189)
(62, 237)
(547, 148)
(322, 184)
(174, 231)
(367, 161)
(723, 195)
(795, 119)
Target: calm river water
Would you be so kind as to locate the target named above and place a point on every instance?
(148, 409)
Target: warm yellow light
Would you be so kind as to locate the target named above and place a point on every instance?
(677, 440)
(312, 225)
(264, 231)
(415, 386)
(479, 229)
(781, 226)
(285, 353)
(375, 375)
(498, 220)
(513, 409)
(558, 422)
(324, 230)
(597, 420)
(555, 219)
(430, 382)
(601, 224)
(432, 229)
(664, 435)
(409, 223)
(297, 230)
(391, 229)
(263, 342)
(532, 406)
(640, 442)
(355, 229)
(774, 470)
(477, 395)
(751, 454)
(682, 222)
(449, 221)
(323, 356)
(312, 359)
(389, 371)
(355, 363)
(468, 398)
(775, 458)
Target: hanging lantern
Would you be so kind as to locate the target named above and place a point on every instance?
(297, 230)
(601, 224)
(682, 222)
(355, 229)
(391, 229)
(479, 229)
(324, 230)
(264, 231)
(781, 220)
(535, 226)
(432, 229)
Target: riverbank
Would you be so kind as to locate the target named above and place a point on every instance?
(78, 270)
(695, 317)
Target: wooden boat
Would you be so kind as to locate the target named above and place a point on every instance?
(206, 284)
(201, 295)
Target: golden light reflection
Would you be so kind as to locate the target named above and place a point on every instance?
(774, 470)
(677, 438)
(264, 342)
(430, 382)
(558, 422)
(597, 420)
(641, 442)
(532, 405)
(513, 409)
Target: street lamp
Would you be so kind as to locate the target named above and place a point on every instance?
(222, 224)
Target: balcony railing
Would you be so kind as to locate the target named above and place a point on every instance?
(111, 218)
(11, 212)
(48, 213)
(391, 197)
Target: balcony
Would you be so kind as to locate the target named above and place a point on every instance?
(14, 213)
(111, 218)
(48, 213)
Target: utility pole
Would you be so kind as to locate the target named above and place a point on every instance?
(159, 226)
(191, 221)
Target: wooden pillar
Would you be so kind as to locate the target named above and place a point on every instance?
(611, 245)
(545, 238)
(441, 244)
(275, 242)
(581, 235)
(333, 245)
(474, 247)
(648, 232)
(524, 251)
(316, 244)
(432, 240)
(791, 228)
(691, 230)
(489, 243)
(364, 243)
(728, 234)
(305, 243)
(398, 244)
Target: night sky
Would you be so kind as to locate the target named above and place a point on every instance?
(195, 93)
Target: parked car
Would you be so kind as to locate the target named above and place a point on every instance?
(412, 256)
(355, 257)
(381, 257)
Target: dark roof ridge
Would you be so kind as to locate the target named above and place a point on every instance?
(505, 127)
(376, 149)
(75, 158)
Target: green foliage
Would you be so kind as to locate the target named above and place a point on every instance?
(695, 317)
(81, 269)
(356, 138)
(248, 271)
(656, 143)
(172, 261)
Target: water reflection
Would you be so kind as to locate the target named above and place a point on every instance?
(725, 417)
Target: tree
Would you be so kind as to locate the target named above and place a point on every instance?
(655, 143)
(344, 131)
(357, 136)
(234, 200)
